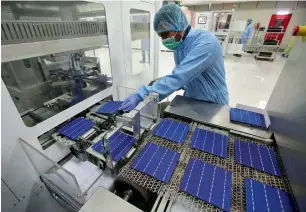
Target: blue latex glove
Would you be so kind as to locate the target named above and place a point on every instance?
(130, 102)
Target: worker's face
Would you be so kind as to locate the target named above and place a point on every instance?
(177, 35)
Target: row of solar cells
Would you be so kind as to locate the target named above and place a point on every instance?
(246, 153)
(208, 182)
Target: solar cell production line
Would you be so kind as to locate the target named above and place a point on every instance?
(156, 161)
(209, 183)
(261, 197)
(211, 142)
(119, 143)
(256, 156)
(76, 128)
(110, 107)
(172, 130)
(248, 117)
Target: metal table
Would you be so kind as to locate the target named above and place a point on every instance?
(103, 199)
(212, 114)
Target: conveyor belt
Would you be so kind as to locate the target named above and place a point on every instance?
(110, 107)
(248, 117)
(190, 202)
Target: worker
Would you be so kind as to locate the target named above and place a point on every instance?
(289, 47)
(246, 35)
(199, 64)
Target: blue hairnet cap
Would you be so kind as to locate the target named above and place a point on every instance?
(170, 18)
(250, 20)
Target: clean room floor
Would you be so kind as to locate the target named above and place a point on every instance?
(249, 81)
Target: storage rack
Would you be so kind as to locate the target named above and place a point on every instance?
(269, 48)
(256, 40)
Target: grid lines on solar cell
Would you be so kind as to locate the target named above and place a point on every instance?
(211, 142)
(119, 143)
(248, 117)
(76, 128)
(256, 156)
(208, 183)
(172, 130)
(261, 197)
(110, 107)
(156, 161)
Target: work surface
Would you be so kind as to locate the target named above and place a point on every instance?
(210, 113)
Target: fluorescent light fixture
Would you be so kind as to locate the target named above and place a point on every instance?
(283, 13)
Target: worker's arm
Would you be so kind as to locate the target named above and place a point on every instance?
(197, 60)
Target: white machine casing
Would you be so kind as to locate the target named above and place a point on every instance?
(18, 174)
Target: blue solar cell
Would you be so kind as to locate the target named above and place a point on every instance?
(120, 143)
(172, 130)
(76, 128)
(248, 117)
(110, 107)
(256, 156)
(156, 161)
(261, 197)
(211, 142)
(209, 183)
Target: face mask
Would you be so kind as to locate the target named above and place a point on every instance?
(171, 44)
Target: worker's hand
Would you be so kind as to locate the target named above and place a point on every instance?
(130, 102)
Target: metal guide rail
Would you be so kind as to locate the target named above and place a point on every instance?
(171, 191)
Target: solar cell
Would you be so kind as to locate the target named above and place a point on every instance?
(209, 183)
(156, 161)
(172, 130)
(211, 142)
(261, 197)
(256, 156)
(76, 128)
(248, 117)
(120, 143)
(110, 107)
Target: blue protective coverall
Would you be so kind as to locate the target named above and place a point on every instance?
(199, 70)
(246, 35)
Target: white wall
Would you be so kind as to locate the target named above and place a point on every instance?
(262, 11)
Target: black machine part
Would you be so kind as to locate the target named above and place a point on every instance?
(133, 193)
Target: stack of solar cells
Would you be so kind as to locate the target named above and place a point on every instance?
(211, 142)
(156, 161)
(172, 130)
(119, 143)
(110, 107)
(256, 156)
(76, 128)
(248, 117)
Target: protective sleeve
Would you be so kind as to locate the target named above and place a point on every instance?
(197, 60)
